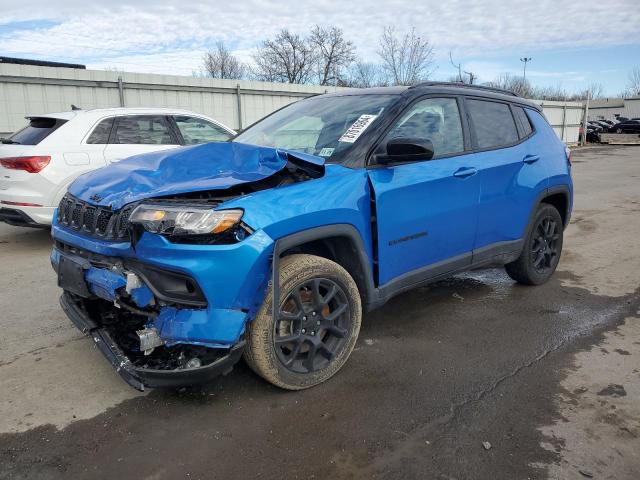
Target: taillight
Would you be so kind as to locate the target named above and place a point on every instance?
(33, 164)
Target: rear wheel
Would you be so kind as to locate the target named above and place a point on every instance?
(315, 327)
(541, 252)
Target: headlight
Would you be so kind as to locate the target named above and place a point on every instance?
(184, 220)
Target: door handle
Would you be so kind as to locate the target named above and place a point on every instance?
(464, 172)
(529, 159)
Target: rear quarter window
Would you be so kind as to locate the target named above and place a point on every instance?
(523, 121)
(38, 129)
(100, 134)
(493, 123)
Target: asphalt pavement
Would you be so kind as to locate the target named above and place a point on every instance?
(474, 377)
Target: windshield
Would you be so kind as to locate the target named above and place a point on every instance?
(322, 126)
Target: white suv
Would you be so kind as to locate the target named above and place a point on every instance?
(38, 163)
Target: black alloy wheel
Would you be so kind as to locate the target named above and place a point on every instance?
(544, 249)
(312, 325)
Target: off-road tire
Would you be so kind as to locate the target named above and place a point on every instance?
(260, 351)
(523, 270)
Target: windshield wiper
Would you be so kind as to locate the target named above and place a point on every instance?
(9, 141)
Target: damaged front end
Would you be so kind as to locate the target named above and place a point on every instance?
(157, 271)
(116, 336)
(133, 328)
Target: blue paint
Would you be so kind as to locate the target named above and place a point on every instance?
(104, 283)
(209, 166)
(212, 327)
(142, 296)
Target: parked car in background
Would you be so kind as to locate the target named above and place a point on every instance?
(630, 126)
(595, 125)
(273, 244)
(39, 162)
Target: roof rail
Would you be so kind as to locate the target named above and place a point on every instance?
(466, 85)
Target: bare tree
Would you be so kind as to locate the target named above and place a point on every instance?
(406, 59)
(334, 53)
(594, 90)
(556, 92)
(633, 85)
(516, 84)
(365, 75)
(221, 63)
(286, 58)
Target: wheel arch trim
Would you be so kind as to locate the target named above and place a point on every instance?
(547, 192)
(319, 233)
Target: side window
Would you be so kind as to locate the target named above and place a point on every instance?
(493, 123)
(435, 119)
(523, 121)
(100, 134)
(143, 129)
(196, 130)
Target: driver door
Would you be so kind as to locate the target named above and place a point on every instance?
(426, 211)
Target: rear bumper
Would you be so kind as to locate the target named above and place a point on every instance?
(20, 216)
(139, 378)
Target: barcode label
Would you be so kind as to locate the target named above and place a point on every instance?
(358, 127)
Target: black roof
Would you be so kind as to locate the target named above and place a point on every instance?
(444, 88)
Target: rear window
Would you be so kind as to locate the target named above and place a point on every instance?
(493, 123)
(37, 130)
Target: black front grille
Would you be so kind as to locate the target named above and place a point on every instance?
(101, 222)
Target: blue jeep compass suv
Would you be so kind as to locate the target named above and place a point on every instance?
(270, 246)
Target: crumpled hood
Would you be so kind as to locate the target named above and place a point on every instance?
(210, 166)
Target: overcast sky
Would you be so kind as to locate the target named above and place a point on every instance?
(572, 43)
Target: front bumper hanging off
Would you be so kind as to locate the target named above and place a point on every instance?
(137, 377)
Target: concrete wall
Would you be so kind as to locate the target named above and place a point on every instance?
(27, 90)
(611, 108)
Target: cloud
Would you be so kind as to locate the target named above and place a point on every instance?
(166, 35)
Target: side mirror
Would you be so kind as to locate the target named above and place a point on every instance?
(405, 149)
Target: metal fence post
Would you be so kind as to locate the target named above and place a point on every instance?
(564, 122)
(584, 123)
(239, 97)
(121, 91)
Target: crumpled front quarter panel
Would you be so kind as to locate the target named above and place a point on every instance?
(341, 196)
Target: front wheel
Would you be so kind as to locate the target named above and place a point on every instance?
(315, 327)
(542, 248)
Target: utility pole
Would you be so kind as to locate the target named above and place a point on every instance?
(457, 67)
(525, 60)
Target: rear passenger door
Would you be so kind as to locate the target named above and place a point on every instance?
(510, 169)
(136, 134)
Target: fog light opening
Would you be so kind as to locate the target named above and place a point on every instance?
(193, 363)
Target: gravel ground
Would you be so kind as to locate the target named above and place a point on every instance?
(472, 377)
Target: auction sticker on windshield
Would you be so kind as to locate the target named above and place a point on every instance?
(358, 127)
